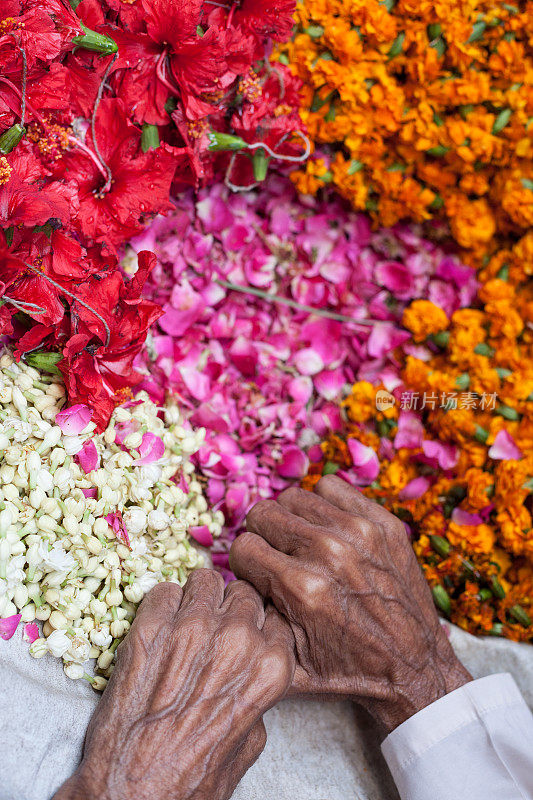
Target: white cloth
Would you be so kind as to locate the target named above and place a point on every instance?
(475, 743)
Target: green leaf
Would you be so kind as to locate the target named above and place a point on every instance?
(462, 381)
(503, 272)
(478, 30)
(440, 545)
(527, 184)
(389, 4)
(149, 137)
(397, 46)
(283, 58)
(434, 30)
(510, 9)
(438, 151)
(441, 338)
(200, 31)
(330, 116)
(484, 595)
(437, 203)
(43, 360)
(497, 588)
(441, 598)
(330, 468)
(439, 45)
(327, 177)
(9, 235)
(520, 615)
(355, 166)
(507, 413)
(483, 349)
(481, 434)
(501, 120)
(314, 31)
(503, 372)
(496, 630)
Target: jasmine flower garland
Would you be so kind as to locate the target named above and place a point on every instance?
(90, 523)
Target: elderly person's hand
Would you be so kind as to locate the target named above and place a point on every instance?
(342, 571)
(182, 714)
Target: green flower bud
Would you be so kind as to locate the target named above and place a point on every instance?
(10, 138)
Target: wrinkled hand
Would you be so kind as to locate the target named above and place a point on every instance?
(342, 571)
(181, 718)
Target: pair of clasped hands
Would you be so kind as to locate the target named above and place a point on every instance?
(331, 603)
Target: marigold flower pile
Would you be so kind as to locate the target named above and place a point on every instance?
(420, 110)
(105, 108)
(453, 456)
(90, 522)
(243, 280)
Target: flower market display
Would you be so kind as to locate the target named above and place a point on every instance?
(245, 243)
(451, 449)
(421, 110)
(104, 110)
(271, 307)
(90, 522)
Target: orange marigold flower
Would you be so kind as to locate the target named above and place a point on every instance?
(423, 318)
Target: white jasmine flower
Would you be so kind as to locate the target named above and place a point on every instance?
(79, 649)
(58, 643)
(56, 558)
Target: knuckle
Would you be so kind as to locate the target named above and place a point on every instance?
(293, 493)
(332, 549)
(243, 544)
(276, 669)
(311, 589)
(327, 481)
(261, 511)
(364, 528)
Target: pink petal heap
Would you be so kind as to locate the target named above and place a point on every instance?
(318, 304)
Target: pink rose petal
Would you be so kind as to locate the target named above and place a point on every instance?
(504, 447)
(151, 449)
(461, 517)
(202, 534)
(410, 431)
(365, 462)
(8, 626)
(88, 457)
(440, 454)
(91, 492)
(74, 419)
(414, 489)
(117, 524)
(31, 632)
(294, 463)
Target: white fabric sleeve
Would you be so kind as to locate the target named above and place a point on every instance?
(476, 743)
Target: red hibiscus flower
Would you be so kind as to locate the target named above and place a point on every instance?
(113, 204)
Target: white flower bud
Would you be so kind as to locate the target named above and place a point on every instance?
(46, 523)
(20, 596)
(117, 628)
(43, 612)
(98, 607)
(105, 659)
(74, 671)
(100, 636)
(134, 593)
(114, 597)
(7, 473)
(38, 648)
(99, 683)
(158, 520)
(27, 614)
(72, 445)
(58, 620)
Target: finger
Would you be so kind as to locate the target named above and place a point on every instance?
(277, 630)
(315, 509)
(339, 493)
(253, 559)
(282, 529)
(241, 599)
(163, 601)
(204, 590)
